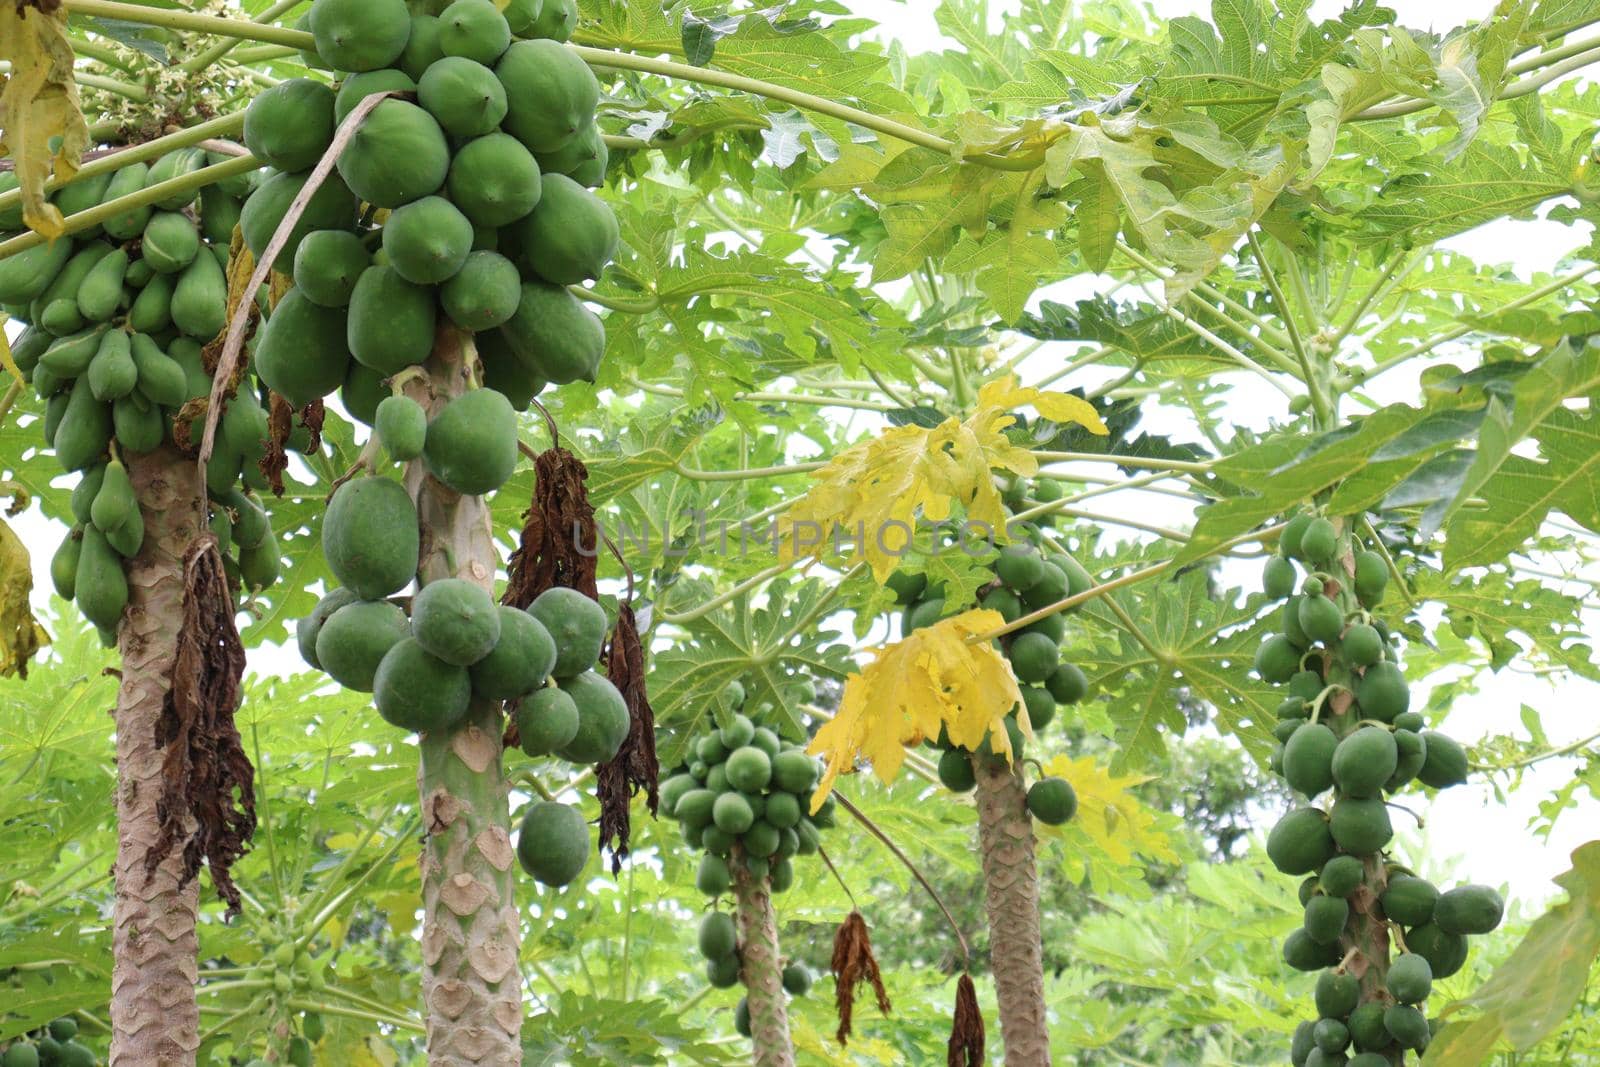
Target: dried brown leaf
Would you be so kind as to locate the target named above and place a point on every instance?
(206, 776)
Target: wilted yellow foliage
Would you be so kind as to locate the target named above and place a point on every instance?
(873, 494)
(39, 101)
(932, 679)
(1117, 822)
(20, 633)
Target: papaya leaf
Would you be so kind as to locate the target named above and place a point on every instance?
(877, 490)
(1532, 991)
(38, 103)
(932, 681)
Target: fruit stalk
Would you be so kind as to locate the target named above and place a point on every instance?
(1011, 897)
(761, 969)
(155, 1020)
(471, 984)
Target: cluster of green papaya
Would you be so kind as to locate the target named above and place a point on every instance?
(116, 319)
(480, 170)
(427, 658)
(54, 1045)
(718, 940)
(1346, 729)
(1025, 578)
(744, 796)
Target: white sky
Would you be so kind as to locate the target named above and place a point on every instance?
(1470, 834)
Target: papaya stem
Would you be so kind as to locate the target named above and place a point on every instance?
(192, 23)
(888, 842)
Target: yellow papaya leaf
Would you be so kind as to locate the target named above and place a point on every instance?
(932, 679)
(39, 102)
(20, 633)
(866, 502)
(1118, 823)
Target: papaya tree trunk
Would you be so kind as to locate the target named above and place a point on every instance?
(471, 982)
(1011, 897)
(761, 969)
(155, 1021)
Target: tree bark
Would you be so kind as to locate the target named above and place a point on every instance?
(1011, 897)
(155, 1020)
(761, 969)
(471, 983)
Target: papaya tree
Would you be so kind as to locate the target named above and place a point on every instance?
(937, 397)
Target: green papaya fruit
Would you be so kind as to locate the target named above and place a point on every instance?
(363, 390)
(416, 691)
(358, 87)
(1364, 761)
(555, 21)
(309, 628)
(1469, 909)
(56, 309)
(200, 299)
(391, 321)
(547, 721)
(1308, 758)
(1445, 763)
(328, 265)
(219, 214)
(1052, 801)
(353, 641)
(64, 564)
(1360, 824)
(1371, 578)
(81, 194)
(1336, 994)
(520, 661)
(484, 293)
(290, 125)
(475, 30)
(1277, 659)
(260, 567)
(69, 357)
(553, 843)
(402, 426)
(139, 274)
(243, 431)
(370, 537)
(358, 35)
(471, 443)
(504, 372)
(1325, 918)
(85, 429)
(583, 159)
(555, 336)
(126, 536)
(160, 378)
(101, 587)
(603, 720)
(577, 625)
(101, 292)
(137, 423)
(1300, 842)
(331, 207)
(178, 164)
(427, 241)
(83, 494)
(29, 345)
(494, 180)
(520, 15)
(398, 155)
(112, 373)
(455, 620)
(551, 94)
(463, 96)
(171, 242)
(570, 236)
(302, 353)
(151, 311)
(1382, 692)
(1444, 951)
(25, 276)
(422, 49)
(47, 386)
